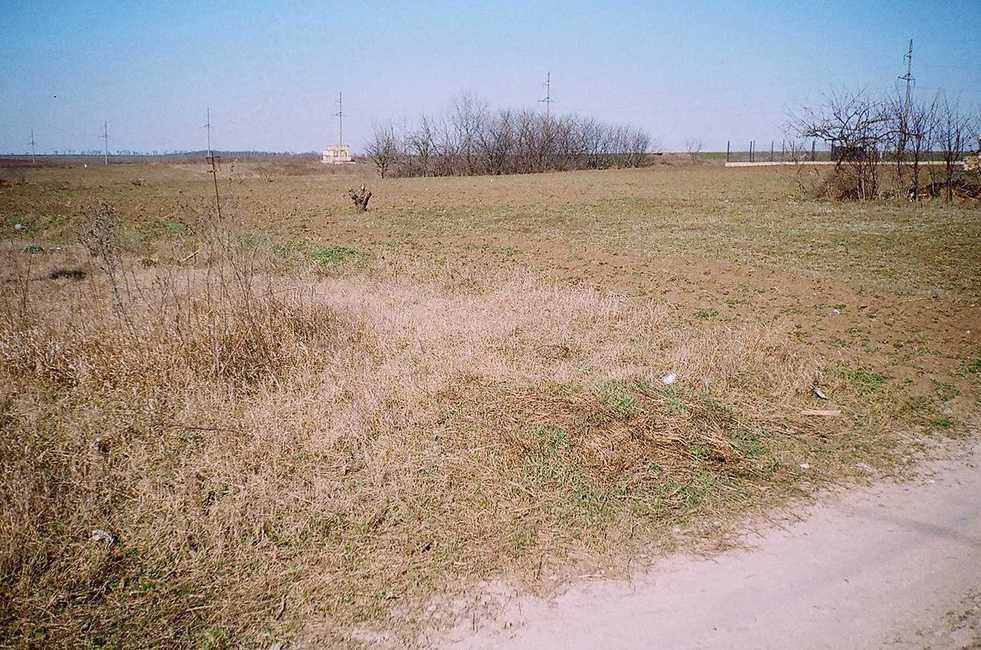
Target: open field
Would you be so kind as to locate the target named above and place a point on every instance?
(300, 423)
(825, 163)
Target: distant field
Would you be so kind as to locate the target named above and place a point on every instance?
(306, 424)
(95, 160)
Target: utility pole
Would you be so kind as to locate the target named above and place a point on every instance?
(33, 150)
(340, 117)
(548, 96)
(908, 77)
(207, 125)
(212, 161)
(105, 137)
(548, 130)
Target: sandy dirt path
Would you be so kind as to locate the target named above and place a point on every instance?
(895, 565)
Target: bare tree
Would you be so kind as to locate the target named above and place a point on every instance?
(898, 110)
(694, 147)
(496, 143)
(953, 131)
(384, 149)
(920, 123)
(467, 119)
(473, 140)
(856, 126)
(422, 148)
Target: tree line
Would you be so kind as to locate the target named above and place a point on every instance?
(472, 139)
(868, 133)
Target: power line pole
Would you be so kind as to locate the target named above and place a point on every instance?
(548, 104)
(207, 125)
(33, 150)
(908, 77)
(340, 117)
(105, 137)
(548, 96)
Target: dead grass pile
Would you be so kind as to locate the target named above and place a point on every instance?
(278, 463)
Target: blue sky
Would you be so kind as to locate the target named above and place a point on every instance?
(270, 71)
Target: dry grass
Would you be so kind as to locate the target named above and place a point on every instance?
(292, 449)
(350, 444)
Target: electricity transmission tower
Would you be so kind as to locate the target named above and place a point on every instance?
(105, 138)
(908, 77)
(33, 150)
(340, 118)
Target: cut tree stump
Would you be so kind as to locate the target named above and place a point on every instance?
(360, 198)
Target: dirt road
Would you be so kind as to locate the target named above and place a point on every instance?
(894, 565)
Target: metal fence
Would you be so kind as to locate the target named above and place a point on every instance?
(773, 151)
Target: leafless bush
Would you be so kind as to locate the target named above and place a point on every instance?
(102, 239)
(694, 147)
(842, 184)
(805, 177)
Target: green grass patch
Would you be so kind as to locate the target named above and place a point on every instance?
(160, 228)
(973, 366)
(288, 249)
(698, 452)
(867, 380)
(554, 469)
(618, 400)
(174, 227)
(549, 463)
(335, 255)
(214, 638)
(28, 224)
(521, 539)
(675, 399)
(750, 443)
